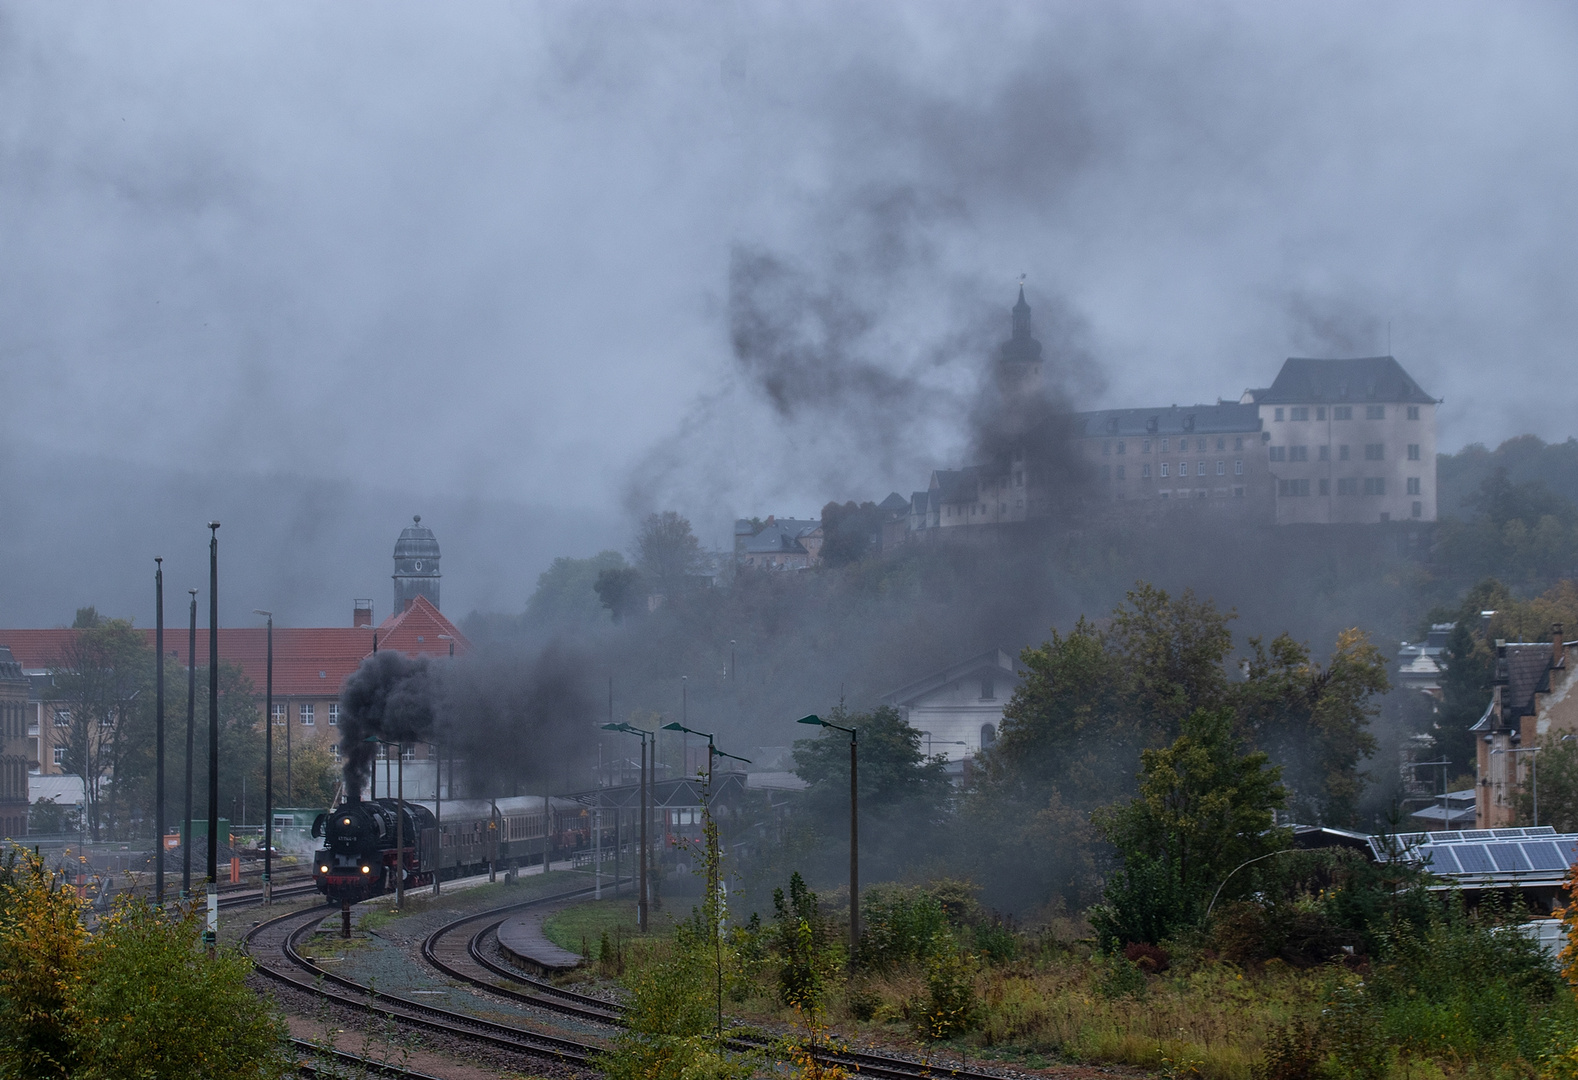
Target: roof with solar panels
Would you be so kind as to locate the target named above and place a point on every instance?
(1481, 858)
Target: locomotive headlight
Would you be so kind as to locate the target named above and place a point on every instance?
(323, 869)
(367, 869)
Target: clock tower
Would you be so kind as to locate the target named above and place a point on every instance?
(416, 565)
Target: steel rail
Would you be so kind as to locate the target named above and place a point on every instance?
(400, 1009)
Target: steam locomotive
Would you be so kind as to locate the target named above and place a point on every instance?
(359, 858)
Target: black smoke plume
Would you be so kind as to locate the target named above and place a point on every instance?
(390, 697)
(520, 726)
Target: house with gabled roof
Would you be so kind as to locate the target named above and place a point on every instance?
(960, 708)
(1532, 706)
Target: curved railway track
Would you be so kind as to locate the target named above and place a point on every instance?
(275, 948)
(464, 956)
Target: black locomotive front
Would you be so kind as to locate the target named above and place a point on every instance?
(359, 858)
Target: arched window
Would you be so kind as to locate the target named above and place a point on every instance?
(988, 735)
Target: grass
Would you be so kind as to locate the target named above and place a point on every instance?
(570, 926)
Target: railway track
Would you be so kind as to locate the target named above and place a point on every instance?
(461, 949)
(275, 948)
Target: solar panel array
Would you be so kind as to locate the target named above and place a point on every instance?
(1536, 852)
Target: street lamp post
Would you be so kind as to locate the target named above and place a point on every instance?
(268, 765)
(191, 723)
(158, 648)
(943, 742)
(713, 891)
(211, 934)
(641, 873)
(1534, 770)
(854, 831)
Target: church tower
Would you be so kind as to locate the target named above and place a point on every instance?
(1019, 358)
(416, 565)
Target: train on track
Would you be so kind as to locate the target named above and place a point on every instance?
(366, 847)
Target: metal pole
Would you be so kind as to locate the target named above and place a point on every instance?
(399, 826)
(290, 788)
(158, 648)
(1534, 765)
(854, 851)
(597, 848)
(212, 933)
(268, 772)
(641, 898)
(438, 815)
(191, 724)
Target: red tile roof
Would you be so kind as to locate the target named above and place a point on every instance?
(308, 661)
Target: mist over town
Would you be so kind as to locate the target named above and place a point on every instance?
(1045, 534)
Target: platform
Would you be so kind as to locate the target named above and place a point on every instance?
(522, 939)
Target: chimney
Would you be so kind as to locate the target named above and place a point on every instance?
(363, 614)
(1558, 646)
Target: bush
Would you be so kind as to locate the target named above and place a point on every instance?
(1120, 977)
(1151, 959)
(950, 986)
(800, 937)
(901, 926)
(41, 940)
(1293, 1052)
(151, 1003)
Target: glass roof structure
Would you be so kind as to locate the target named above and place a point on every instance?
(1480, 858)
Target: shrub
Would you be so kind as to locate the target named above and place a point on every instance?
(1151, 959)
(151, 1003)
(1293, 1052)
(952, 1004)
(41, 942)
(1120, 977)
(901, 926)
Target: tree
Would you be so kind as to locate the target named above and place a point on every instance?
(1314, 718)
(904, 795)
(96, 680)
(668, 553)
(41, 939)
(1204, 807)
(619, 590)
(566, 593)
(850, 532)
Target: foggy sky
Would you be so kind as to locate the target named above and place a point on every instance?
(491, 254)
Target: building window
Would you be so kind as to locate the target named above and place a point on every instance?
(1278, 415)
(60, 755)
(988, 689)
(1199, 444)
(1325, 487)
(988, 735)
(1279, 453)
(1221, 468)
(1320, 412)
(62, 717)
(334, 714)
(1342, 453)
(1413, 414)
(1120, 446)
(1375, 412)
(1183, 468)
(1300, 412)
(1413, 485)
(1199, 468)
(1120, 472)
(1164, 468)
(1325, 453)
(1342, 412)
(408, 752)
(334, 752)
(1106, 448)
(1238, 492)
(306, 714)
(279, 715)
(1238, 443)
(1293, 488)
(1418, 509)
(1375, 485)
(1164, 446)
(1238, 468)
(1347, 485)
(1374, 451)
(1145, 472)
(1146, 446)
(1413, 451)
(1298, 453)
(1221, 443)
